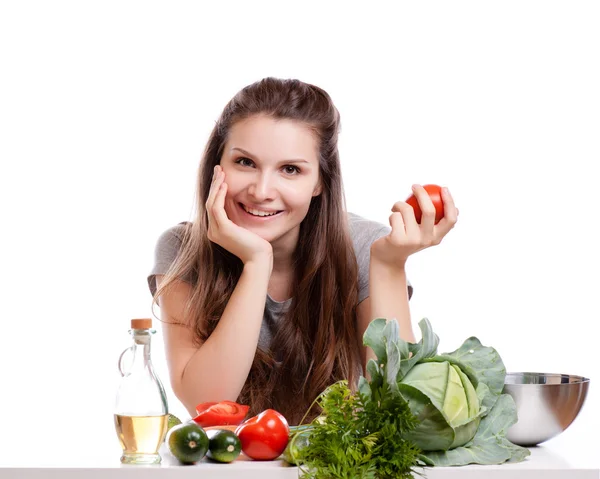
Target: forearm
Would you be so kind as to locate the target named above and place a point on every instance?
(388, 288)
(219, 369)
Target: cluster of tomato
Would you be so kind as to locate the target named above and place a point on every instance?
(263, 437)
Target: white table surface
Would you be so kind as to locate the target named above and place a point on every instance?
(574, 454)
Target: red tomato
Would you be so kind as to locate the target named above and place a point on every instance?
(220, 413)
(264, 437)
(435, 193)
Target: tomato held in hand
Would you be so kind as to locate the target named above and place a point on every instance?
(264, 437)
(435, 193)
(220, 413)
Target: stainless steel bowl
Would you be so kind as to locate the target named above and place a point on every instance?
(547, 404)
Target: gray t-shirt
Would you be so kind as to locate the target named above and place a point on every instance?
(362, 231)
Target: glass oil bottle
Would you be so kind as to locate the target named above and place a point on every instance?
(141, 411)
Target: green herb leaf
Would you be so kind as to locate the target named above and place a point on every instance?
(364, 434)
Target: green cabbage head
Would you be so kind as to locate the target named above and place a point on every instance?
(450, 400)
(457, 397)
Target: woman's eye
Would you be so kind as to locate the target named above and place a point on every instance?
(242, 161)
(294, 169)
(289, 169)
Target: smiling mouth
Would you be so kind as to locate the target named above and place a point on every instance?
(258, 213)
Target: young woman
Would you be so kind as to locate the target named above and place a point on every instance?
(266, 295)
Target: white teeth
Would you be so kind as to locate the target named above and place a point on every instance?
(258, 212)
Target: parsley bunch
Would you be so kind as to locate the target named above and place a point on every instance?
(362, 435)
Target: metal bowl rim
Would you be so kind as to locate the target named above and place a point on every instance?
(578, 379)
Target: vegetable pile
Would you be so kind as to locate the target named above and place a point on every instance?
(417, 409)
(220, 433)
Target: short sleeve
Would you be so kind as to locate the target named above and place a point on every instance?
(364, 233)
(165, 252)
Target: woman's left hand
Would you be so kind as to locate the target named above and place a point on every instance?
(407, 236)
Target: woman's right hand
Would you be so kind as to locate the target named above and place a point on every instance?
(243, 243)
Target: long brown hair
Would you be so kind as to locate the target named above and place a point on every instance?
(316, 343)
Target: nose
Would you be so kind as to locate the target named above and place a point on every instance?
(262, 187)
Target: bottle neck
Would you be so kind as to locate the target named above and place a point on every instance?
(141, 348)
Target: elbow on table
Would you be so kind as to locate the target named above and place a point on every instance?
(190, 399)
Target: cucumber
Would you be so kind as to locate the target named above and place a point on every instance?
(172, 420)
(295, 447)
(187, 442)
(224, 445)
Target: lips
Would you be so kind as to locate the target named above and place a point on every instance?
(272, 214)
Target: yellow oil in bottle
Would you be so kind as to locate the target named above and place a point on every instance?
(141, 437)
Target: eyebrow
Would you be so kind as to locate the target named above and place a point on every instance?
(299, 160)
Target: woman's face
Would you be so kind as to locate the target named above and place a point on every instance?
(271, 166)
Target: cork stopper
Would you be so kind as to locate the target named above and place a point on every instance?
(145, 323)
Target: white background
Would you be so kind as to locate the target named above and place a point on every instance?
(105, 108)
